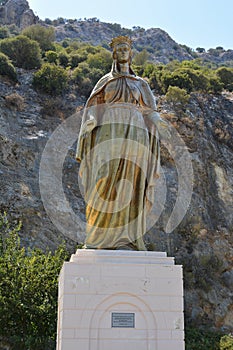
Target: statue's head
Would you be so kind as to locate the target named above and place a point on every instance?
(122, 51)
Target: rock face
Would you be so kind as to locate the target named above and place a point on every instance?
(202, 243)
(17, 12)
(160, 45)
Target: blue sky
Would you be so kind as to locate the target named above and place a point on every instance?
(203, 23)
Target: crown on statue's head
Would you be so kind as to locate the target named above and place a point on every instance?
(120, 40)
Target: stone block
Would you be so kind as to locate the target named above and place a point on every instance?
(108, 299)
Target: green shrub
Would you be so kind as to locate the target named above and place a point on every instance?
(180, 79)
(141, 58)
(226, 77)
(100, 60)
(196, 339)
(76, 58)
(24, 52)
(214, 85)
(4, 32)
(226, 342)
(63, 59)
(198, 79)
(45, 36)
(51, 79)
(86, 77)
(6, 68)
(28, 291)
(51, 56)
(177, 96)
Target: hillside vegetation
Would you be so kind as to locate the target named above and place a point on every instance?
(59, 65)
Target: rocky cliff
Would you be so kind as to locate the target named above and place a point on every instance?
(17, 12)
(203, 242)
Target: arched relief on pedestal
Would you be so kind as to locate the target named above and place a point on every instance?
(122, 302)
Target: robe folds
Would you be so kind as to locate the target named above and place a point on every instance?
(118, 148)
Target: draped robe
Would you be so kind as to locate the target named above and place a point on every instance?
(118, 148)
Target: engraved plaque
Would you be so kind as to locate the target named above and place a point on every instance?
(123, 320)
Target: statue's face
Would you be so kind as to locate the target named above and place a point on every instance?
(122, 53)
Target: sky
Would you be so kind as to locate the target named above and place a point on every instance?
(195, 23)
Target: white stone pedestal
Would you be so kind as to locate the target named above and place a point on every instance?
(117, 300)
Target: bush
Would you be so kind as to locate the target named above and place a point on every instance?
(51, 56)
(63, 59)
(226, 342)
(51, 79)
(6, 68)
(15, 102)
(196, 339)
(4, 32)
(45, 36)
(76, 58)
(24, 52)
(100, 60)
(198, 79)
(177, 96)
(226, 77)
(28, 291)
(141, 58)
(214, 85)
(86, 77)
(180, 79)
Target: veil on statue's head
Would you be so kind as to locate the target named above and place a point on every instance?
(113, 44)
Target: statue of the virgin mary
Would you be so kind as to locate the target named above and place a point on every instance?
(118, 148)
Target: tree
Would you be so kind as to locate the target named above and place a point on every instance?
(100, 60)
(4, 32)
(45, 36)
(177, 96)
(154, 74)
(199, 81)
(141, 58)
(76, 58)
(28, 291)
(214, 85)
(24, 52)
(51, 79)
(63, 59)
(200, 49)
(6, 68)
(226, 77)
(51, 56)
(180, 79)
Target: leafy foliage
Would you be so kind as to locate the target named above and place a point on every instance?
(141, 58)
(51, 79)
(177, 96)
(226, 77)
(63, 59)
(51, 56)
(4, 32)
(192, 76)
(24, 52)
(28, 291)
(45, 36)
(196, 339)
(6, 68)
(226, 342)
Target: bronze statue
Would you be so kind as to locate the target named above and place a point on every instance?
(119, 152)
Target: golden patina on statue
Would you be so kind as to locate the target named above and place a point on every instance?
(119, 152)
